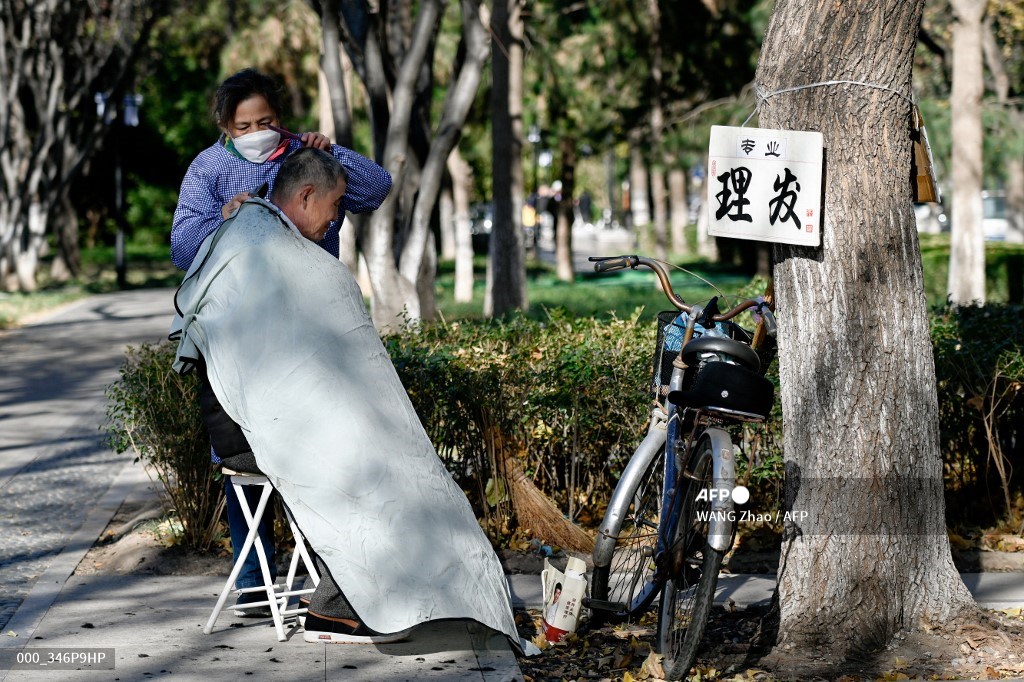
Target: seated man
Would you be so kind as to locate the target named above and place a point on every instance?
(295, 361)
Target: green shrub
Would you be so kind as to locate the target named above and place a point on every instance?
(979, 369)
(565, 400)
(565, 397)
(155, 412)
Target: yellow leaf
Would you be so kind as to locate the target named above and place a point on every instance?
(626, 677)
(653, 667)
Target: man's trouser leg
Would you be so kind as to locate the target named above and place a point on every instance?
(328, 599)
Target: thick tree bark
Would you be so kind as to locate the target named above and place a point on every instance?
(967, 240)
(506, 269)
(860, 412)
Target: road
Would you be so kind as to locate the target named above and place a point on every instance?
(588, 241)
(54, 463)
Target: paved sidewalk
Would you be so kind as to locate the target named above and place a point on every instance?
(54, 464)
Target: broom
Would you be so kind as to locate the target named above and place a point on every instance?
(534, 511)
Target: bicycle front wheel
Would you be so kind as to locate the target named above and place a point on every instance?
(629, 578)
(690, 589)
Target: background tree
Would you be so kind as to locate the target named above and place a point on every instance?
(393, 54)
(506, 270)
(856, 368)
(967, 241)
(56, 57)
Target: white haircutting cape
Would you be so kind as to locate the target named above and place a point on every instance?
(296, 361)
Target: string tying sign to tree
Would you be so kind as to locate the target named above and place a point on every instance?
(765, 185)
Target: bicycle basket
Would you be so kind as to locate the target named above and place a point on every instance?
(670, 338)
(726, 386)
(662, 361)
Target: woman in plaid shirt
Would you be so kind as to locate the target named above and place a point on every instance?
(248, 105)
(244, 161)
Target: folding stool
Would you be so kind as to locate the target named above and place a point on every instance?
(277, 595)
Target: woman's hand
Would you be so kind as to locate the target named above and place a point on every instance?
(227, 209)
(318, 140)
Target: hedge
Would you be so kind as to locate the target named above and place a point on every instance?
(566, 398)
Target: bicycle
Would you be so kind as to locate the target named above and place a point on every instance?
(670, 520)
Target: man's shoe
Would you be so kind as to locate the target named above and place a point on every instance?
(320, 629)
(253, 611)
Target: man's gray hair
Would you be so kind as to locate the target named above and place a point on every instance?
(308, 166)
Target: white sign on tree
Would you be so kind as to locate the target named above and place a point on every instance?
(765, 185)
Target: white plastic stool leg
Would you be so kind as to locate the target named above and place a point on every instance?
(250, 540)
(277, 596)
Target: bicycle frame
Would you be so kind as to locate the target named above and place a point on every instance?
(664, 430)
(657, 432)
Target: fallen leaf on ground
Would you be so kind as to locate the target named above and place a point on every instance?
(653, 667)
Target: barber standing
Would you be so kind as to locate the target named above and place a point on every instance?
(251, 148)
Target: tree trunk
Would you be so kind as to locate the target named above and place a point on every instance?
(506, 269)
(1014, 162)
(67, 262)
(426, 287)
(639, 204)
(659, 200)
(1015, 195)
(659, 194)
(860, 412)
(564, 267)
(462, 183)
(56, 57)
(332, 73)
(446, 209)
(967, 240)
(678, 210)
(394, 296)
(456, 109)
(707, 247)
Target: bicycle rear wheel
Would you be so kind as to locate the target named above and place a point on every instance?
(690, 589)
(629, 578)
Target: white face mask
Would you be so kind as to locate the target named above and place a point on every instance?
(257, 147)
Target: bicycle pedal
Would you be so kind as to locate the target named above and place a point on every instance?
(601, 605)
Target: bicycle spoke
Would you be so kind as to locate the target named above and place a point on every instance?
(689, 591)
(629, 579)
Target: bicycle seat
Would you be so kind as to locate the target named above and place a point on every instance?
(742, 353)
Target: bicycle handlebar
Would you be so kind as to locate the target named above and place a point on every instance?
(611, 263)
